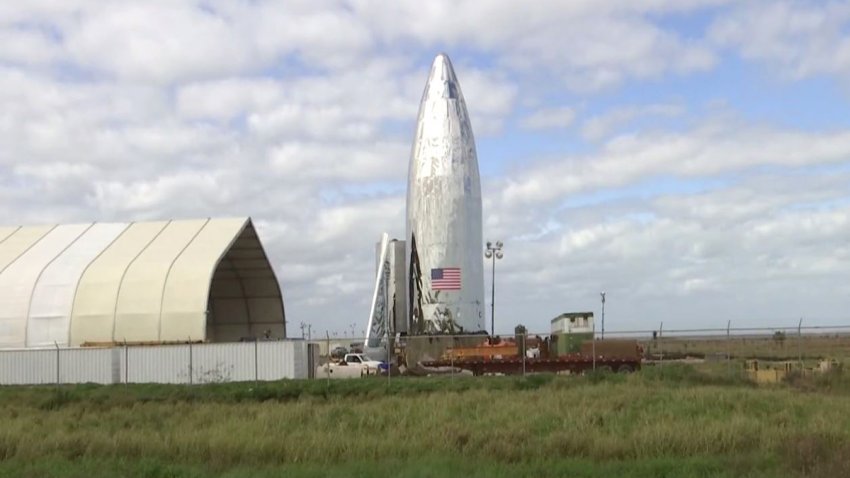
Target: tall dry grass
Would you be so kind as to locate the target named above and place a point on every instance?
(677, 415)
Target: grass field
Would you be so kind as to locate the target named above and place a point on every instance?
(677, 422)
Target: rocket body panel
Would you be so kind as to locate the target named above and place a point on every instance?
(378, 326)
(397, 285)
(397, 289)
(444, 213)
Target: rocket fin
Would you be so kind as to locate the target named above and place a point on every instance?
(378, 314)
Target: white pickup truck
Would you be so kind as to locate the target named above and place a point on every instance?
(352, 366)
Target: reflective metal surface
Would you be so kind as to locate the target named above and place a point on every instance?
(397, 291)
(386, 317)
(376, 330)
(444, 210)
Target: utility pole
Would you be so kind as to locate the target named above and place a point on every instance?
(493, 251)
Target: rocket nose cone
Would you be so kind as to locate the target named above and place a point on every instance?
(442, 82)
(442, 60)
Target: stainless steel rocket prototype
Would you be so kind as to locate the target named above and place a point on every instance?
(445, 272)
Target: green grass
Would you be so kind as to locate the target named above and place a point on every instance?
(416, 467)
(675, 421)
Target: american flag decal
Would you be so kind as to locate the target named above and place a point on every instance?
(445, 278)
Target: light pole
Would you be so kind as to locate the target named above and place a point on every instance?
(493, 251)
(603, 314)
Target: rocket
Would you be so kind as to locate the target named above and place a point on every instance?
(433, 281)
(444, 266)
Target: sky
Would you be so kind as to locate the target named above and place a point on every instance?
(689, 157)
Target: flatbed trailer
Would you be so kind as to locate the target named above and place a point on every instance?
(574, 363)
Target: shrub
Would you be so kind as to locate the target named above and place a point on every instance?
(58, 399)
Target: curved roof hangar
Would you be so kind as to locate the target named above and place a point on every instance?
(166, 281)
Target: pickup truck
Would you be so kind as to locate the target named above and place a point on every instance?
(353, 365)
(363, 361)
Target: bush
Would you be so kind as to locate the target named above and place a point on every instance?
(533, 382)
(58, 399)
(818, 455)
(834, 380)
(688, 375)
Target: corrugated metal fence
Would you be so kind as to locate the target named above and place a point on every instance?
(190, 363)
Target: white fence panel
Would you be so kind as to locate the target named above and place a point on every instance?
(280, 360)
(232, 362)
(158, 364)
(300, 363)
(186, 364)
(88, 366)
(21, 367)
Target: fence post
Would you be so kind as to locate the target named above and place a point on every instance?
(328, 365)
(661, 346)
(593, 345)
(389, 357)
(256, 361)
(800, 343)
(190, 361)
(57, 362)
(524, 352)
(728, 348)
(452, 358)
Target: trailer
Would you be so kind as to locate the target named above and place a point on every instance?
(510, 358)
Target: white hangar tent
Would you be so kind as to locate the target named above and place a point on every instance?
(143, 282)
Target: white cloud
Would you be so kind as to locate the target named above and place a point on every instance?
(323, 123)
(301, 115)
(489, 99)
(599, 126)
(27, 47)
(228, 99)
(343, 222)
(549, 118)
(184, 191)
(758, 266)
(801, 39)
(762, 244)
(708, 150)
(589, 45)
(158, 43)
(356, 162)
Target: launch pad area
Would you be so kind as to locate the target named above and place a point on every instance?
(482, 355)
